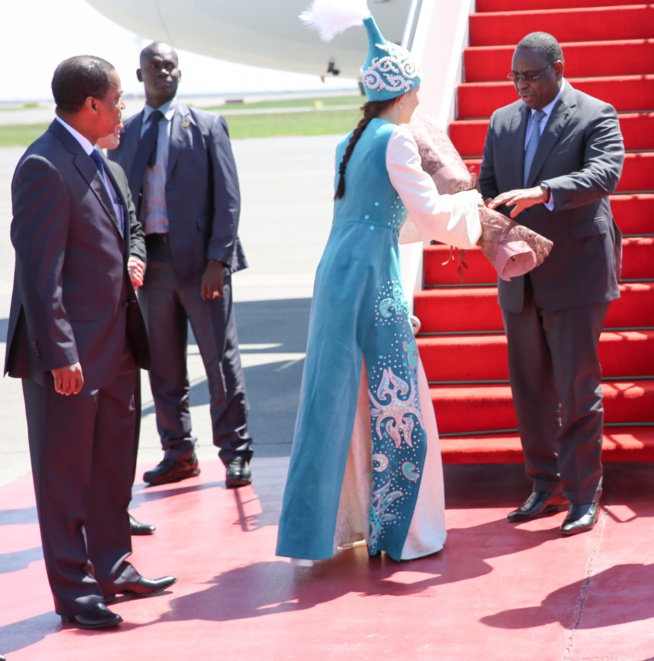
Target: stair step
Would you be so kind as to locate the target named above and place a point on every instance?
(439, 269)
(582, 59)
(624, 93)
(468, 136)
(609, 49)
(460, 358)
(475, 309)
(637, 172)
(585, 24)
(623, 443)
(471, 409)
(634, 213)
(517, 5)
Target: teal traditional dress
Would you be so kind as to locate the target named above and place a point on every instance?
(365, 463)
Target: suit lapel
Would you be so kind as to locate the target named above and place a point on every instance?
(180, 135)
(561, 114)
(516, 144)
(121, 200)
(88, 171)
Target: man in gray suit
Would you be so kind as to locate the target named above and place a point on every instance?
(183, 180)
(76, 338)
(551, 160)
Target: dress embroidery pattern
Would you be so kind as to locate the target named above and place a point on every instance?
(381, 500)
(397, 424)
(393, 409)
(395, 303)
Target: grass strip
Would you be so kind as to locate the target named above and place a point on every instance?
(264, 125)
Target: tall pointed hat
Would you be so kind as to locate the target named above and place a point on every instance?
(389, 70)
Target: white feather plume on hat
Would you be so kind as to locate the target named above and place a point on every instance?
(331, 17)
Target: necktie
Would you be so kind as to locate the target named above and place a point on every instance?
(97, 159)
(532, 145)
(155, 117)
(146, 154)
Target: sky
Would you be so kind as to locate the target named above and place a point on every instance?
(35, 35)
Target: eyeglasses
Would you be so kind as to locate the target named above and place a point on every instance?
(527, 77)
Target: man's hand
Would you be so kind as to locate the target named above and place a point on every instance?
(136, 270)
(212, 280)
(520, 199)
(68, 380)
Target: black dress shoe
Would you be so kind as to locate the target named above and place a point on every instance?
(172, 470)
(538, 504)
(138, 528)
(238, 473)
(145, 587)
(581, 518)
(96, 617)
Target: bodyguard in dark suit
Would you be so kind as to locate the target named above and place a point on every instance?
(551, 160)
(76, 338)
(183, 180)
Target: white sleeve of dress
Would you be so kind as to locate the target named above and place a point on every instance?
(450, 219)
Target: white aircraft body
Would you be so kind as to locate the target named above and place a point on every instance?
(263, 33)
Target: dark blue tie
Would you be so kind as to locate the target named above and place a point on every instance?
(151, 137)
(97, 159)
(532, 145)
(146, 156)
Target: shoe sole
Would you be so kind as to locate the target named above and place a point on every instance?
(124, 596)
(100, 625)
(550, 509)
(577, 531)
(236, 482)
(171, 480)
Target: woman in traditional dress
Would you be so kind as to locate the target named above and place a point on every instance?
(365, 463)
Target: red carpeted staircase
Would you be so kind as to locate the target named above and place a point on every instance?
(609, 51)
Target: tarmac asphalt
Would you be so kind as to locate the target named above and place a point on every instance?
(286, 188)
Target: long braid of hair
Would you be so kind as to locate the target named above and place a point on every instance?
(370, 110)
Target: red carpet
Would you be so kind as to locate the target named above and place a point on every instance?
(493, 593)
(609, 51)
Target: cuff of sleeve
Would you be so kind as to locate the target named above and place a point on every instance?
(549, 203)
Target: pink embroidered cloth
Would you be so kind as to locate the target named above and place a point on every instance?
(511, 248)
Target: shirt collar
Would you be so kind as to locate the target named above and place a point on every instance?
(167, 110)
(84, 142)
(550, 106)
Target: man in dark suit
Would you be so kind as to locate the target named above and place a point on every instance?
(551, 160)
(76, 338)
(183, 180)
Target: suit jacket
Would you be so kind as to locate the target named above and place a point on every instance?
(580, 157)
(136, 235)
(72, 299)
(202, 192)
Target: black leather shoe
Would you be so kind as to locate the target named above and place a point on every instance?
(96, 617)
(145, 587)
(172, 470)
(581, 518)
(139, 528)
(238, 473)
(538, 504)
